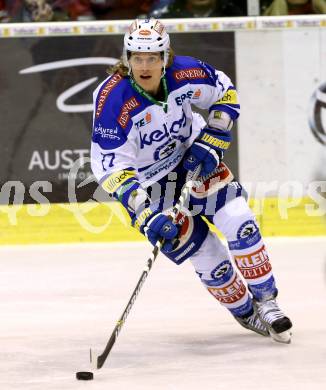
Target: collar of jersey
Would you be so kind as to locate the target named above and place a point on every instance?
(146, 95)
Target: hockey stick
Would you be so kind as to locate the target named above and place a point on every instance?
(190, 182)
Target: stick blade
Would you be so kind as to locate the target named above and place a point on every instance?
(102, 358)
(100, 361)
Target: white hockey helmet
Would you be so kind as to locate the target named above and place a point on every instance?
(146, 35)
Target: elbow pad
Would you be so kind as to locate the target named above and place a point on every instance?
(220, 120)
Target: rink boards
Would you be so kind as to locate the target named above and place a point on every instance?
(108, 222)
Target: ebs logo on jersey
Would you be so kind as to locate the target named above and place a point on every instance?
(180, 99)
(188, 95)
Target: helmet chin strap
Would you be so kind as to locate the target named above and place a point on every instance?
(165, 60)
(163, 71)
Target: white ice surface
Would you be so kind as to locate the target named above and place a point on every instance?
(58, 301)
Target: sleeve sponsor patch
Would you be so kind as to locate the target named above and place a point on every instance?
(127, 107)
(230, 97)
(111, 83)
(190, 74)
(114, 181)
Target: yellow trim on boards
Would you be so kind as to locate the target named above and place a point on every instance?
(109, 222)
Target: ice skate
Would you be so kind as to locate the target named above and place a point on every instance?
(275, 320)
(253, 322)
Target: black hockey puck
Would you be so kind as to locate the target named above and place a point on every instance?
(84, 375)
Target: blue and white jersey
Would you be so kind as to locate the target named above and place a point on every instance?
(133, 134)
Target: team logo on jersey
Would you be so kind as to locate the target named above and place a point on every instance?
(109, 86)
(129, 106)
(144, 121)
(190, 74)
(165, 150)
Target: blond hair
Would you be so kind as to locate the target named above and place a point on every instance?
(123, 70)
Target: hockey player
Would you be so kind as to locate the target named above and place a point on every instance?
(145, 140)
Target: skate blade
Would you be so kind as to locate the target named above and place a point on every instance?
(284, 337)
